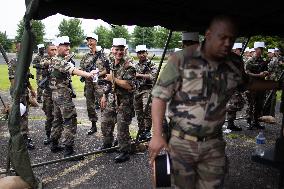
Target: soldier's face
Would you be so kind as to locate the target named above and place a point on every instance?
(270, 54)
(258, 52)
(237, 51)
(142, 55)
(118, 52)
(18, 47)
(63, 50)
(247, 54)
(220, 39)
(52, 50)
(91, 43)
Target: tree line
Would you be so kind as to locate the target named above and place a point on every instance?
(152, 37)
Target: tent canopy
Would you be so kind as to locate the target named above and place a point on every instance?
(255, 18)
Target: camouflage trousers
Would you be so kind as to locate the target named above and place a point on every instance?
(270, 103)
(122, 115)
(140, 101)
(24, 122)
(255, 105)
(39, 90)
(197, 165)
(236, 103)
(65, 117)
(93, 93)
(47, 107)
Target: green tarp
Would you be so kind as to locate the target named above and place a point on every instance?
(255, 17)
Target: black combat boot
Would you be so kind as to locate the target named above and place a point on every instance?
(39, 100)
(69, 151)
(122, 157)
(47, 140)
(55, 147)
(142, 135)
(106, 146)
(28, 142)
(93, 128)
(257, 125)
(148, 133)
(249, 126)
(232, 126)
(115, 143)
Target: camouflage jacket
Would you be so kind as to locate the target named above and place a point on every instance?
(126, 58)
(146, 67)
(275, 69)
(102, 63)
(198, 91)
(45, 63)
(245, 58)
(256, 65)
(12, 70)
(60, 73)
(124, 71)
(36, 63)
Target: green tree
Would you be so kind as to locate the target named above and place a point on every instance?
(105, 39)
(38, 28)
(270, 41)
(5, 42)
(143, 35)
(161, 35)
(120, 31)
(73, 29)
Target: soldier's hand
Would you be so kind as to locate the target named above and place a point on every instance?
(139, 75)
(95, 72)
(264, 73)
(103, 102)
(89, 75)
(156, 144)
(33, 93)
(108, 77)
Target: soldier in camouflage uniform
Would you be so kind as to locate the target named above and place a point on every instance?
(246, 55)
(117, 103)
(92, 90)
(146, 71)
(256, 68)
(198, 88)
(24, 98)
(47, 105)
(39, 70)
(236, 103)
(65, 116)
(275, 68)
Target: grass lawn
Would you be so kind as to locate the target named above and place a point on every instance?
(77, 85)
(5, 83)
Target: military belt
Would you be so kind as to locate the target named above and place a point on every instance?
(183, 135)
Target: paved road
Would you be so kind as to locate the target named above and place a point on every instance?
(10, 55)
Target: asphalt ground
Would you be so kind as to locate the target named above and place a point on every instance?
(100, 172)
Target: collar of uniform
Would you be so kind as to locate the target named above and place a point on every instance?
(144, 62)
(121, 62)
(198, 53)
(91, 52)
